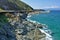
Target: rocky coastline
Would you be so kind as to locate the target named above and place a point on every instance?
(14, 25)
(19, 28)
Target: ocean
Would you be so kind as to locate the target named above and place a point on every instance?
(52, 19)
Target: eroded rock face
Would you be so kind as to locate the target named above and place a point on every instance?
(27, 31)
(7, 31)
(24, 30)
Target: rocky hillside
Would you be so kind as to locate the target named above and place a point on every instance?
(14, 5)
(14, 27)
(7, 31)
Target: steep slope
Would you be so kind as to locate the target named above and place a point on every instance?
(14, 5)
(13, 27)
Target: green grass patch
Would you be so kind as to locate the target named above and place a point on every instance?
(3, 18)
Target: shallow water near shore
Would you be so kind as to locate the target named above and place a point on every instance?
(51, 19)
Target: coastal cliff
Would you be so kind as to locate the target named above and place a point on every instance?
(14, 26)
(20, 29)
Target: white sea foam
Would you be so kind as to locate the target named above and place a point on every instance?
(48, 36)
(33, 21)
(28, 16)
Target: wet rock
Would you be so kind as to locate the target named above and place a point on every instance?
(25, 38)
(19, 31)
(23, 16)
(24, 31)
(19, 25)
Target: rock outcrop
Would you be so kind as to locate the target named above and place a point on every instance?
(20, 29)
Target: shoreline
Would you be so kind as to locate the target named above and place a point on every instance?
(48, 36)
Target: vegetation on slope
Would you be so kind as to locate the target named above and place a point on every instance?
(3, 20)
(14, 5)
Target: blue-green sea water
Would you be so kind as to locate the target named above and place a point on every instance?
(51, 19)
